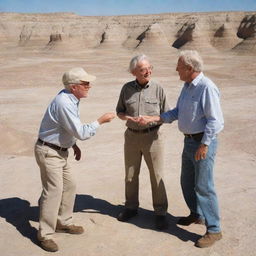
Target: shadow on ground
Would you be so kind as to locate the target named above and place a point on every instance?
(144, 219)
(18, 212)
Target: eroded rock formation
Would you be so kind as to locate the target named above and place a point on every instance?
(202, 31)
(184, 35)
(247, 32)
(153, 36)
(247, 28)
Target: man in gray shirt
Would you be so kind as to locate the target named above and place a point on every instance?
(59, 130)
(143, 97)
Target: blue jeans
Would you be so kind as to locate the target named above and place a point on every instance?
(198, 185)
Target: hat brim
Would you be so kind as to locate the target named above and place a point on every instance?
(88, 78)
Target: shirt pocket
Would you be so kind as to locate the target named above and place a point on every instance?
(131, 107)
(194, 108)
(190, 109)
(152, 106)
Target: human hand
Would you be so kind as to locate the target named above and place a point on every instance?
(132, 118)
(201, 152)
(144, 120)
(125, 117)
(77, 152)
(107, 117)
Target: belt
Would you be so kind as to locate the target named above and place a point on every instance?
(149, 129)
(195, 136)
(50, 145)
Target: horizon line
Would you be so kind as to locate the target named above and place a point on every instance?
(161, 13)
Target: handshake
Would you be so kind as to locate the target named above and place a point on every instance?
(144, 120)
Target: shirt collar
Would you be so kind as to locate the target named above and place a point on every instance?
(142, 87)
(197, 79)
(72, 97)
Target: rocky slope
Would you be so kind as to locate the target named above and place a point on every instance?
(216, 31)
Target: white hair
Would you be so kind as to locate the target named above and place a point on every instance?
(68, 86)
(192, 59)
(135, 60)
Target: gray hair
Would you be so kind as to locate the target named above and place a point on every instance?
(192, 59)
(135, 60)
(67, 86)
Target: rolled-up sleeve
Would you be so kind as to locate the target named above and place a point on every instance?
(120, 107)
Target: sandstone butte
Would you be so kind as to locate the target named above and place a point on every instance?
(220, 31)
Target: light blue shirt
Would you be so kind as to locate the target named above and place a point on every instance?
(198, 109)
(61, 123)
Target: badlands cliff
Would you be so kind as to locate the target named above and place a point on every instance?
(220, 31)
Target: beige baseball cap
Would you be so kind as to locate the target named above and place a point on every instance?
(77, 75)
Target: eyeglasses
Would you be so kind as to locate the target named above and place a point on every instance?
(86, 84)
(144, 70)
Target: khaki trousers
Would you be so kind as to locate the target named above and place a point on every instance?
(150, 146)
(58, 195)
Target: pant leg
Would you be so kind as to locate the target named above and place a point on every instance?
(51, 165)
(132, 157)
(153, 154)
(205, 190)
(187, 178)
(65, 216)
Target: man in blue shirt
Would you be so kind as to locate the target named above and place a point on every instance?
(200, 119)
(59, 130)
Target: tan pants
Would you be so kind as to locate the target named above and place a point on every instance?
(150, 146)
(58, 195)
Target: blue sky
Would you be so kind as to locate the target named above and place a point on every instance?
(124, 7)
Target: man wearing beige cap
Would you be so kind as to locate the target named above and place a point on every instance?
(59, 130)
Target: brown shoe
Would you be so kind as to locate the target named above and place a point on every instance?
(186, 221)
(71, 229)
(49, 245)
(208, 239)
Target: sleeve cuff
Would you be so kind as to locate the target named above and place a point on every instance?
(95, 124)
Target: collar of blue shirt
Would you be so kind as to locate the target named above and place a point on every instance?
(197, 79)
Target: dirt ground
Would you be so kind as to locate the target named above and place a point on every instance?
(29, 81)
